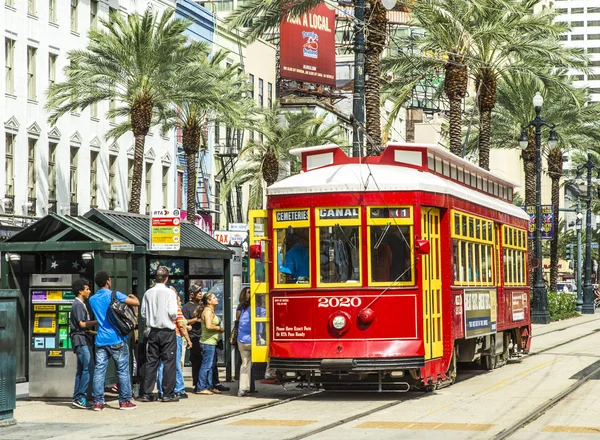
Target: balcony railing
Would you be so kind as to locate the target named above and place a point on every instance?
(74, 209)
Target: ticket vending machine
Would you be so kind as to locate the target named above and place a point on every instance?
(52, 363)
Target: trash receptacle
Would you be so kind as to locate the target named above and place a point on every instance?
(8, 355)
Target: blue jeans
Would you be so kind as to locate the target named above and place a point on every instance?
(206, 369)
(120, 354)
(85, 369)
(179, 383)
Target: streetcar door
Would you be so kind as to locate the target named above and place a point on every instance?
(432, 285)
(259, 286)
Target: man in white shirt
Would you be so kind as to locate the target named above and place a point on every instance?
(159, 310)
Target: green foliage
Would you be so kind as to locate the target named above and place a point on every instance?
(562, 305)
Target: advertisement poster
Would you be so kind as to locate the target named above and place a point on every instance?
(480, 312)
(547, 221)
(308, 47)
(519, 302)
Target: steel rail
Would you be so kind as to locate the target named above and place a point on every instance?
(540, 410)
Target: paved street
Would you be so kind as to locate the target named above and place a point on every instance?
(478, 406)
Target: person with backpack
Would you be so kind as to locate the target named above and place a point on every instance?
(110, 342)
(81, 324)
(159, 310)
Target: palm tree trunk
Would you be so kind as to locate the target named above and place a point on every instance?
(191, 134)
(555, 169)
(136, 178)
(456, 126)
(375, 44)
(485, 138)
(528, 156)
(191, 187)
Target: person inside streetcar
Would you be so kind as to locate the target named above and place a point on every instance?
(295, 262)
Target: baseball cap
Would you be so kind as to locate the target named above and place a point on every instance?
(195, 288)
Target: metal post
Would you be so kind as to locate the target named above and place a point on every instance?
(358, 103)
(588, 288)
(540, 313)
(579, 260)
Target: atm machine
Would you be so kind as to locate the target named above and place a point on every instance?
(52, 363)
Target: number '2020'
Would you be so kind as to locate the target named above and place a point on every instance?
(340, 302)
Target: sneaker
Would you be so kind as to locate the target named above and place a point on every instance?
(269, 376)
(182, 395)
(173, 398)
(115, 388)
(147, 398)
(215, 391)
(243, 393)
(82, 403)
(98, 406)
(205, 392)
(221, 387)
(127, 405)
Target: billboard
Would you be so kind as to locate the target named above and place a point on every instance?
(307, 47)
(480, 312)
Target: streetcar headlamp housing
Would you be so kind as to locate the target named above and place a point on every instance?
(339, 322)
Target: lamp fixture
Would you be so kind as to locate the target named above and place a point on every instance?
(538, 100)
(87, 256)
(523, 141)
(9, 256)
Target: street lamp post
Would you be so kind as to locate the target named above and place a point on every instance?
(588, 288)
(539, 313)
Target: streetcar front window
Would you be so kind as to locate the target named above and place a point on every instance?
(390, 253)
(339, 259)
(292, 255)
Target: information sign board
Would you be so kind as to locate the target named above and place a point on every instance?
(165, 230)
(480, 312)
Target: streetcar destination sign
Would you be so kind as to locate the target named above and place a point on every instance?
(338, 213)
(291, 216)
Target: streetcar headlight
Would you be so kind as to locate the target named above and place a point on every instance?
(339, 322)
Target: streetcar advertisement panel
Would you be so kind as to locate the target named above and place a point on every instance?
(306, 318)
(480, 312)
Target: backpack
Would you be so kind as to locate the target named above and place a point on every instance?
(121, 316)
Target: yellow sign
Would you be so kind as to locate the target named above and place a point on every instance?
(54, 295)
(165, 230)
(44, 307)
(54, 353)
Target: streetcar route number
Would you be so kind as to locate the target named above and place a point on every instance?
(340, 302)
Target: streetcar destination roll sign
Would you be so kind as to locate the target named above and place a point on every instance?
(480, 312)
(291, 216)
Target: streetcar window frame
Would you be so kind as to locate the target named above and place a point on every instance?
(514, 254)
(473, 245)
(393, 222)
(285, 225)
(341, 223)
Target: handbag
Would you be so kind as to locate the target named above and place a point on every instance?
(234, 334)
(120, 316)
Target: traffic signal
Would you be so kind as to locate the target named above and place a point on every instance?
(569, 252)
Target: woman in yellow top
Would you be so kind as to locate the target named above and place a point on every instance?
(211, 331)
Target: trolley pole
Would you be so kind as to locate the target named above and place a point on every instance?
(358, 102)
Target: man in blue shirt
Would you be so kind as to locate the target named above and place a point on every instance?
(296, 259)
(110, 344)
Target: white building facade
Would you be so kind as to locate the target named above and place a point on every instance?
(69, 167)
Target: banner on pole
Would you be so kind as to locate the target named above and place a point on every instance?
(547, 221)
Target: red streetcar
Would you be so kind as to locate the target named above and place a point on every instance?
(383, 272)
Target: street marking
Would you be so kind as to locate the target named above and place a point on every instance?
(441, 408)
(427, 426)
(574, 429)
(175, 420)
(265, 422)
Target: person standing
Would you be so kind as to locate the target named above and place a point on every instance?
(211, 331)
(159, 310)
(244, 339)
(83, 342)
(110, 344)
(192, 314)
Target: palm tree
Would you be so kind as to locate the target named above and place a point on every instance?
(263, 16)
(204, 92)
(131, 61)
(280, 132)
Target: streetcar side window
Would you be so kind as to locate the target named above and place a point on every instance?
(339, 258)
(514, 249)
(291, 234)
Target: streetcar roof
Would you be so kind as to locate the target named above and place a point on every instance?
(363, 177)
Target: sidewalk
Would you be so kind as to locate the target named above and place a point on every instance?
(542, 329)
(59, 420)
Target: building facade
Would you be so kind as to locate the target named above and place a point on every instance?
(69, 167)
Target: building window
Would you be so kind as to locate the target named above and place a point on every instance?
(94, 110)
(31, 171)
(593, 10)
(74, 13)
(251, 81)
(593, 37)
(9, 2)
(593, 23)
(31, 89)
(270, 95)
(576, 10)
(563, 37)
(148, 186)
(577, 77)
(112, 181)
(260, 92)
(52, 16)
(165, 186)
(9, 61)
(129, 173)
(52, 147)
(94, 14)
(8, 158)
(112, 105)
(31, 8)
(74, 157)
(577, 24)
(51, 69)
(593, 77)
(576, 37)
(93, 179)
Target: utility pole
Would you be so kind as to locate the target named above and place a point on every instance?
(358, 102)
(579, 265)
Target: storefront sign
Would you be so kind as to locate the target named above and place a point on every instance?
(165, 230)
(238, 227)
(519, 302)
(480, 312)
(307, 46)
